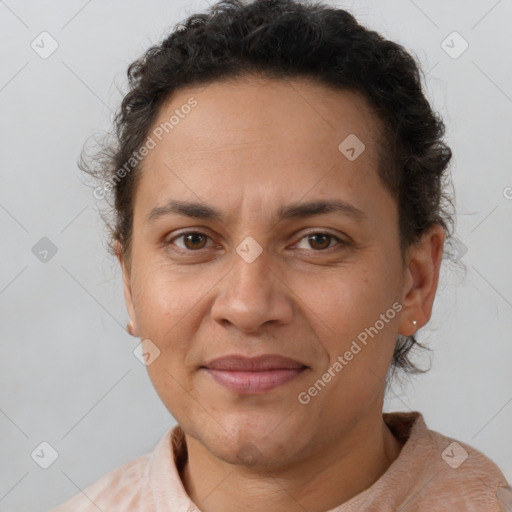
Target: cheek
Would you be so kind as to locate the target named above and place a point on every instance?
(352, 298)
(164, 299)
(170, 308)
(356, 319)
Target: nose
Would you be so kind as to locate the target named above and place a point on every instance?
(252, 295)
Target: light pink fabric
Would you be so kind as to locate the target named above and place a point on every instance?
(428, 475)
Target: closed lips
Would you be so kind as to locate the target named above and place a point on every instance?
(253, 375)
(254, 364)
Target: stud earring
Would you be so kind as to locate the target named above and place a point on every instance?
(415, 323)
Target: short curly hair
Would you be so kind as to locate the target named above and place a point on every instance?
(288, 39)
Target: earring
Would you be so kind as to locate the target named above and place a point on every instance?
(414, 322)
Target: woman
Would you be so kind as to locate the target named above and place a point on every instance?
(279, 191)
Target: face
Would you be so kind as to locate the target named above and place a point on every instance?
(263, 266)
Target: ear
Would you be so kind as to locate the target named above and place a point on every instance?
(132, 326)
(421, 279)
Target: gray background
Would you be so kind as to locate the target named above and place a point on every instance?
(68, 375)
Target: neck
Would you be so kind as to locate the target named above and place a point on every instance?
(326, 479)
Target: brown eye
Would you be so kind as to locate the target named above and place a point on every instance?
(320, 241)
(191, 241)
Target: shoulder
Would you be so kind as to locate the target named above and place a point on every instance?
(461, 478)
(149, 482)
(120, 488)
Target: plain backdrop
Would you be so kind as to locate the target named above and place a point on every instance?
(68, 376)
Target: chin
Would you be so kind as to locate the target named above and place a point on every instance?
(258, 443)
(254, 455)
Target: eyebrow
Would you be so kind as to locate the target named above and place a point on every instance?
(300, 210)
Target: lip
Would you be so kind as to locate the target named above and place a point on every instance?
(252, 375)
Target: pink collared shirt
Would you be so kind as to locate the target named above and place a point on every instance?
(432, 473)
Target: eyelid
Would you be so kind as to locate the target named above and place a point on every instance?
(169, 241)
(317, 231)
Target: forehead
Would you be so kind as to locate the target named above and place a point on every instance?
(252, 135)
(295, 111)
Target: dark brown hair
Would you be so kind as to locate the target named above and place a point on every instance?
(288, 39)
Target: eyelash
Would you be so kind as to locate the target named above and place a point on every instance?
(180, 249)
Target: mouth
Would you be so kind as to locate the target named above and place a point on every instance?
(255, 375)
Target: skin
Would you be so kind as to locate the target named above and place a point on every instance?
(249, 147)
